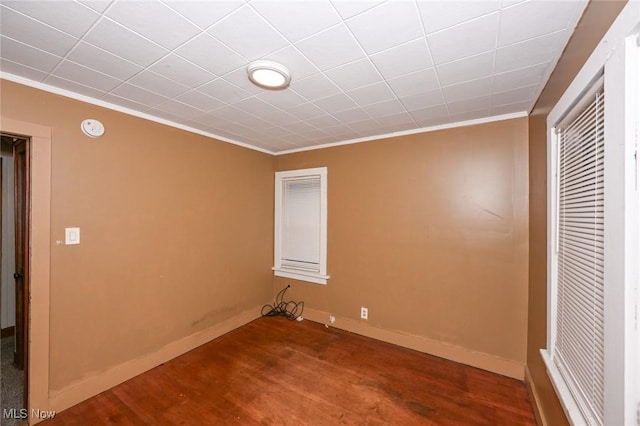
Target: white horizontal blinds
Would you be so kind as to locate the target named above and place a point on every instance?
(579, 345)
(301, 223)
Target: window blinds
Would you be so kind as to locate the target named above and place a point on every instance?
(301, 223)
(579, 343)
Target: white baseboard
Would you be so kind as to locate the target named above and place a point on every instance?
(505, 367)
(87, 387)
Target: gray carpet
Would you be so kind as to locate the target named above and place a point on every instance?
(11, 386)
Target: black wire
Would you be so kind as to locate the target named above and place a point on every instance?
(290, 310)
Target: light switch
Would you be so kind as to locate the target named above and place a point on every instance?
(72, 236)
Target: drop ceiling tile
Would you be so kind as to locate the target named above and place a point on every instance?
(70, 17)
(299, 66)
(29, 31)
(522, 77)
(103, 61)
(422, 100)
(479, 103)
(10, 67)
(242, 28)
(403, 59)
(385, 108)
(138, 94)
(278, 117)
(178, 109)
(371, 94)
(323, 121)
(127, 103)
(204, 13)
(164, 115)
(469, 68)
(468, 39)
(470, 115)
(517, 95)
(240, 78)
(97, 5)
(512, 108)
(299, 127)
(223, 90)
(437, 17)
(210, 54)
(314, 87)
(305, 111)
(253, 106)
(159, 84)
(468, 90)
(337, 102)
(402, 119)
(295, 19)
(73, 86)
(535, 18)
(396, 22)
(417, 82)
(364, 127)
(349, 8)
(354, 74)
(199, 100)
(256, 124)
(281, 98)
(26, 55)
(155, 21)
(352, 115)
(124, 43)
(87, 77)
(427, 116)
(331, 48)
(231, 113)
(177, 69)
(530, 52)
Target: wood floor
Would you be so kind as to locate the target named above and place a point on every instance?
(279, 372)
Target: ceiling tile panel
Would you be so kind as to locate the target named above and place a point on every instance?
(199, 100)
(34, 33)
(204, 13)
(385, 108)
(422, 100)
(73, 86)
(470, 38)
(314, 87)
(211, 54)
(531, 52)
(331, 48)
(69, 17)
(417, 82)
(247, 33)
(97, 5)
(124, 43)
(371, 94)
(469, 68)
(281, 98)
(514, 96)
(467, 105)
(403, 59)
(159, 84)
(468, 90)
(396, 22)
(138, 94)
(85, 76)
(299, 66)
(29, 56)
(177, 69)
(223, 90)
(535, 18)
(334, 103)
(354, 74)
(438, 15)
(7, 66)
(522, 77)
(349, 8)
(178, 109)
(100, 60)
(297, 19)
(153, 20)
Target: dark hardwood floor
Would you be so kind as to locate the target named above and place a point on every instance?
(279, 372)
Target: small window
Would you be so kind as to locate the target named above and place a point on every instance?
(301, 225)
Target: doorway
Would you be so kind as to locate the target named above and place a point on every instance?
(14, 271)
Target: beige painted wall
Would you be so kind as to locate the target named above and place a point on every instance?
(597, 18)
(176, 233)
(430, 233)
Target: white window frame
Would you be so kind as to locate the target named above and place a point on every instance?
(617, 54)
(280, 270)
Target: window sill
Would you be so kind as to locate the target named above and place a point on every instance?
(567, 401)
(302, 276)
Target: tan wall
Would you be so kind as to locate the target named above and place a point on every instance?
(597, 18)
(176, 233)
(430, 233)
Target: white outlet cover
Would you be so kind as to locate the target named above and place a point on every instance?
(92, 128)
(71, 236)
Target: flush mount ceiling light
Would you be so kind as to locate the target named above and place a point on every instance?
(268, 74)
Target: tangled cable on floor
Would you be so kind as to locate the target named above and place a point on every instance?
(291, 310)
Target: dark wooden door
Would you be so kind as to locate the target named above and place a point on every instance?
(21, 174)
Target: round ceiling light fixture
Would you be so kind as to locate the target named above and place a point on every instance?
(268, 74)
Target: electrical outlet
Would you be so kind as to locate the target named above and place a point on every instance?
(364, 313)
(332, 319)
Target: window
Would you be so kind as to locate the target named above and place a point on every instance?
(593, 342)
(301, 225)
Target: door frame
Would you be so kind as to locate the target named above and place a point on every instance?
(40, 258)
